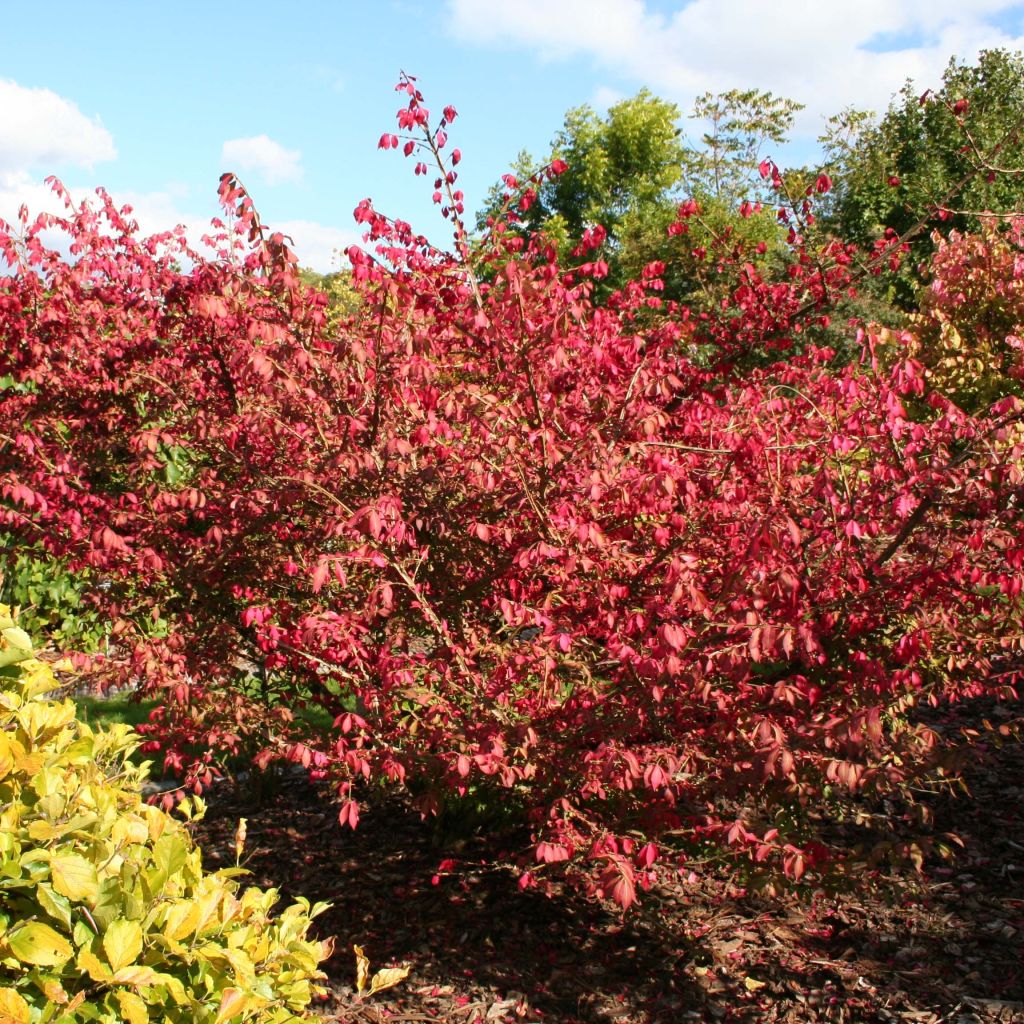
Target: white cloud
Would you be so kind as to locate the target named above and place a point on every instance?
(154, 212)
(38, 128)
(822, 55)
(264, 156)
(40, 131)
(318, 246)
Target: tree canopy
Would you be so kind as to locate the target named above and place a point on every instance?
(629, 170)
(936, 160)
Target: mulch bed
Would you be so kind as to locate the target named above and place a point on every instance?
(946, 944)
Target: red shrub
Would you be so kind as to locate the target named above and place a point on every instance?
(507, 538)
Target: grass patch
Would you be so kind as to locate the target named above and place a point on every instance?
(103, 711)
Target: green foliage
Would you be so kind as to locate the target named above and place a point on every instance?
(107, 914)
(342, 298)
(629, 170)
(101, 712)
(740, 125)
(936, 155)
(622, 167)
(692, 259)
(53, 600)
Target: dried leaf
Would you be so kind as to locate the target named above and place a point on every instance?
(387, 977)
(362, 969)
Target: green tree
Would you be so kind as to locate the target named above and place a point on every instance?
(342, 298)
(630, 159)
(629, 170)
(932, 163)
(740, 125)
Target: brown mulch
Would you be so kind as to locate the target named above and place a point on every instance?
(945, 944)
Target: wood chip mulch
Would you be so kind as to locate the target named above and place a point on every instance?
(942, 945)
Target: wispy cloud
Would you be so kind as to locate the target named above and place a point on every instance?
(318, 245)
(261, 154)
(40, 129)
(826, 56)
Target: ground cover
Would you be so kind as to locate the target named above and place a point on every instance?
(943, 944)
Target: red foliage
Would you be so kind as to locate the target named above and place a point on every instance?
(511, 540)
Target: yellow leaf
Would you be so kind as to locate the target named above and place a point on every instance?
(30, 763)
(232, 1002)
(129, 830)
(182, 920)
(37, 943)
(73, 876)
(42, 831)
(93, 966)
(13, 1008)
(136, 975)
(15, 646)
(122, 942)
(240, 837)
(133, 1009)
(174, 987)
(6, 757)
(36, 678)
(362, 968)
(54, 991)
(387, 977)
(752, 984)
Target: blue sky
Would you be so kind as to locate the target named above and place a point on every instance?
(154, 101)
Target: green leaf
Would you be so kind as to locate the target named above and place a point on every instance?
(57, 906)
(15, 646)
(37, 943)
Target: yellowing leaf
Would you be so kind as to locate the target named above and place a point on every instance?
(362, 968)
(752, 984)
(122, 943)
(232, 1002)
(30, 763)
(58, 907)
(133, 1009)
(93, 966)
(6, 756)
(36, 678)
(37, 943)
(174, 987)
(182, 920)
(129, 830)
(73, 876)
(240, 837)
(387, 977)
(54, 991)
(15, 646)
(136, 975)
(13, 1008)
(42, 831)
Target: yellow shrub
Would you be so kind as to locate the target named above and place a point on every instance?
(106, 913)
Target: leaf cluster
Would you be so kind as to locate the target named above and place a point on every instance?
(107, 914)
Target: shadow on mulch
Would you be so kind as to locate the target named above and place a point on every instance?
(946, 945)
